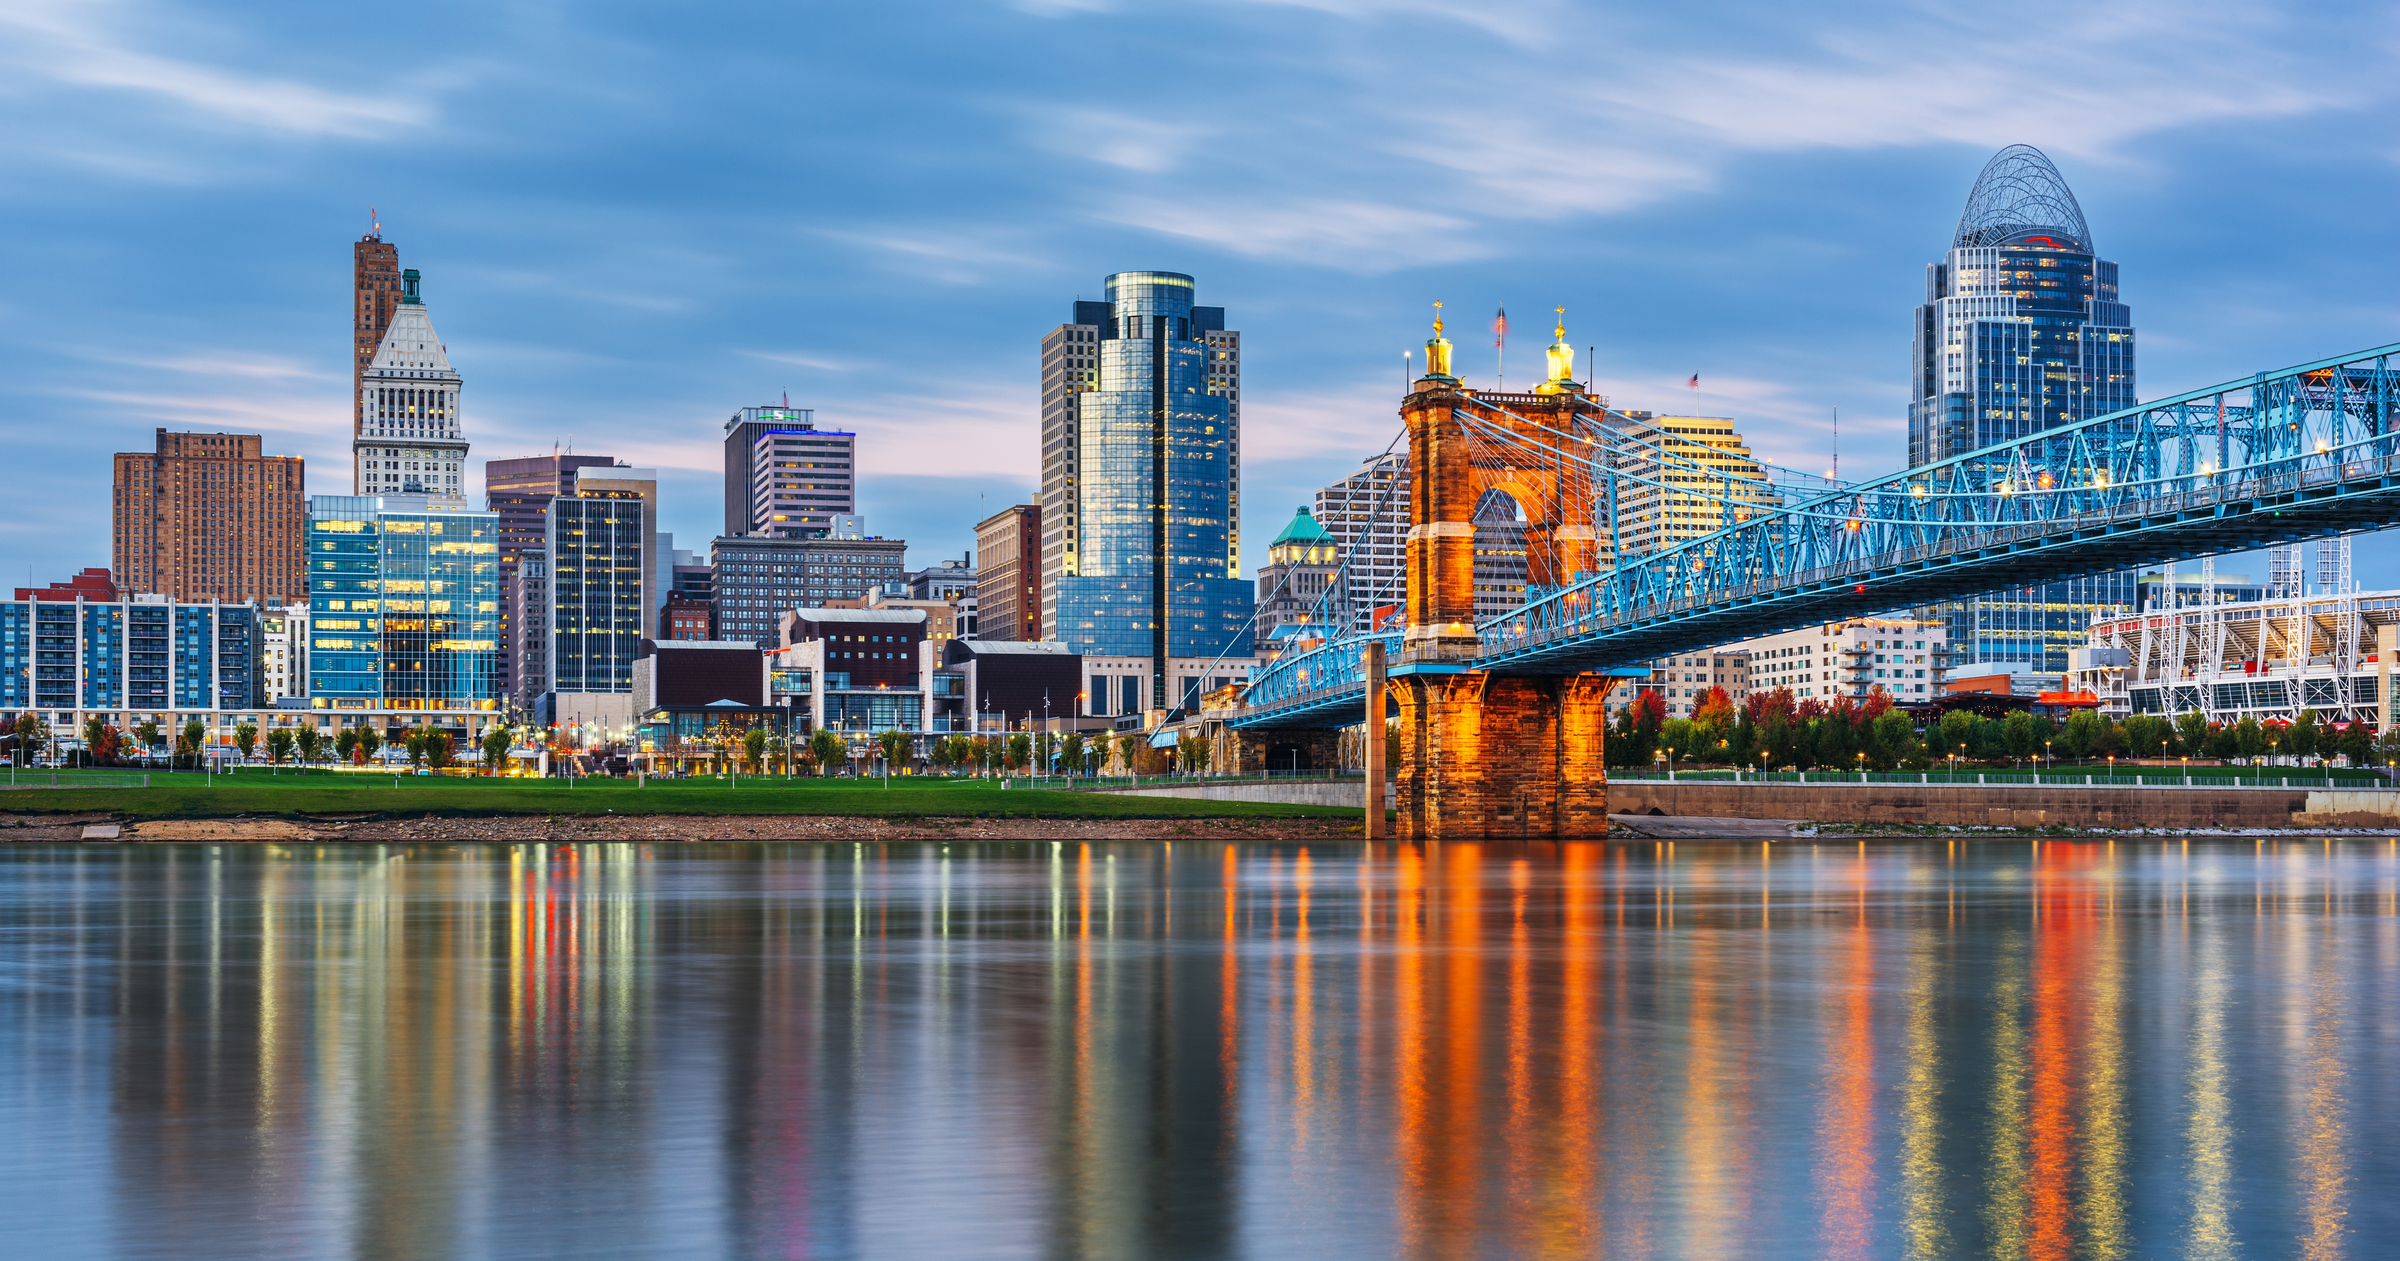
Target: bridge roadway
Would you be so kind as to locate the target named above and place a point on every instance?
(2326, 462)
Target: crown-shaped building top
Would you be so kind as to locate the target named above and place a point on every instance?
(410, 439)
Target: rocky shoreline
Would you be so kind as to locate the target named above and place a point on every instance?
(571, 828)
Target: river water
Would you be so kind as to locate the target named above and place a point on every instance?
(1200, 1050)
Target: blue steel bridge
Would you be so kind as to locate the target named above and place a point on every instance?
(2307, 451)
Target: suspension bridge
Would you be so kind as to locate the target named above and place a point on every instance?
(1501, 712)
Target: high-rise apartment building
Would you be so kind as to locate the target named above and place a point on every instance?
(209, 516)
(1367, 515)
(375, 281)
(1141, 475)
(519, 492)
(2022, 329)
(1680, 477)
(408, 439)
(1008, 590)
(784, 477)
(525, 601)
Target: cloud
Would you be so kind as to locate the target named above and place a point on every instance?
(952, 254)
(1360, 236)
(1344, 423)
(86, 45)
(1114, 139)
(818, 362)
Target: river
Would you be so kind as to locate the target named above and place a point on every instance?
(1201, 1050)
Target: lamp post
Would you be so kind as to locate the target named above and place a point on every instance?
(2187, 771)
(2112, 768)
(1670, 763)
(2049, 755)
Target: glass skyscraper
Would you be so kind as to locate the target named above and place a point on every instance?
(404, 604)
(2022, 330)
(1141, 480)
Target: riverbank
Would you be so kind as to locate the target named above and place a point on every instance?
(574, 829)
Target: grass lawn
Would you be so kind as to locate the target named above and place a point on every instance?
(255, 793)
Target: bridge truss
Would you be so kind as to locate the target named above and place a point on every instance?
(2308, 451)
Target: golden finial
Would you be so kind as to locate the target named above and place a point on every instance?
(1437, 348)
(1562, 361)
(1561, 330)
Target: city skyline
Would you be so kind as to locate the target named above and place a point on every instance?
(1758, 214)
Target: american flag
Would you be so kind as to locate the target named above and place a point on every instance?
(1694, 382)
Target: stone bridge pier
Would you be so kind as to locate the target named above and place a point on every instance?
(1486, 755)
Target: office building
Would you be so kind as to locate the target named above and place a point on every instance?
(870, 667)
(1678, 478)
(1301, 564)
(130, 658)
(602, 598)
(759, 578)
(1008, 587)
(375, 284)
(784, 477)
(519, 492)
(1013, 685)
(404, 611)
(946, 581)
(526, 604)
(209, 516)
(1141, 475)
(2022, 329)
(408, 439)
(688, 621)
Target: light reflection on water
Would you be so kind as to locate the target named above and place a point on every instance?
(1136, 1050)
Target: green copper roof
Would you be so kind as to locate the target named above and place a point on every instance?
(1303, 529)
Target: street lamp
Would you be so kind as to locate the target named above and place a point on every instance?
(2112, 768)
(1862, 766)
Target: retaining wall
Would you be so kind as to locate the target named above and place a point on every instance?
(2021, 805)
(1346, 794)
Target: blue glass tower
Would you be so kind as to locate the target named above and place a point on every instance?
(2021, 330)
(1141, 485)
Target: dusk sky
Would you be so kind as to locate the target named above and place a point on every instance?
(634, 219)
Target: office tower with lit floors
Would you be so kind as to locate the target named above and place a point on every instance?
(1141, 474)
(2023, 329)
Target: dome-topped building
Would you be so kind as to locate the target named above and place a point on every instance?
(2022, 329)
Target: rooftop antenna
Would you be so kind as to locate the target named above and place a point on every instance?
(1836, 474)
(1500, 349)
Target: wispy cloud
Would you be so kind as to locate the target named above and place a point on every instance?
(93, 45)
(1361, 236)
(1114, 138)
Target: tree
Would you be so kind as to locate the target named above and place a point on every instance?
(495, 745)
(438, 749)
(894, 745)
(2081, 735)
(418, 742)
(2147, 735)
(309, 740)
(2300, 739)
(1018, 752)
(1192, 754)
(754, 748)
(2249, 739)
(1129, 750)
(2016, 735)
(1070, 751)
(1958, 733)
(189, 743)
(1892, 740)
(148, 732)
(279, 745)
(370, 740)
(245, 738)
(1676, 738)
(2356, 745)
(828, 748)
(345, 746)
(1714, 718)
(93, 728)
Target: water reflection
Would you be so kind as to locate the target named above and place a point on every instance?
(2055, 1050)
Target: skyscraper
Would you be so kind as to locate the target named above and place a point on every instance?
(2021, 330)
(1141, 473)
(519, 491)
(208, 516)
(375, 282)
(1008, 598)
(408, 440)
(784, 477)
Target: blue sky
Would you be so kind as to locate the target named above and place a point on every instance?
(635, 218)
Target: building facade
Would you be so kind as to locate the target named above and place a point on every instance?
(759, 579)
(1300, 569)
(1008, 585)
(209, 516)
(2263, 658)
(784, 477)
(283, 654)
(409, 440)
(375, 285)
(127, 660)
(1680, 477)
(1367, 515)
(519, 492)
(2023, 329)
(1907, 658)
(597, 549)
(1141, 475)
(404, 608)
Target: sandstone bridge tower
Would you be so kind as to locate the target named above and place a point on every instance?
(1487, 754)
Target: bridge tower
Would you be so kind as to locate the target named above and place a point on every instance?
(1486, 754)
